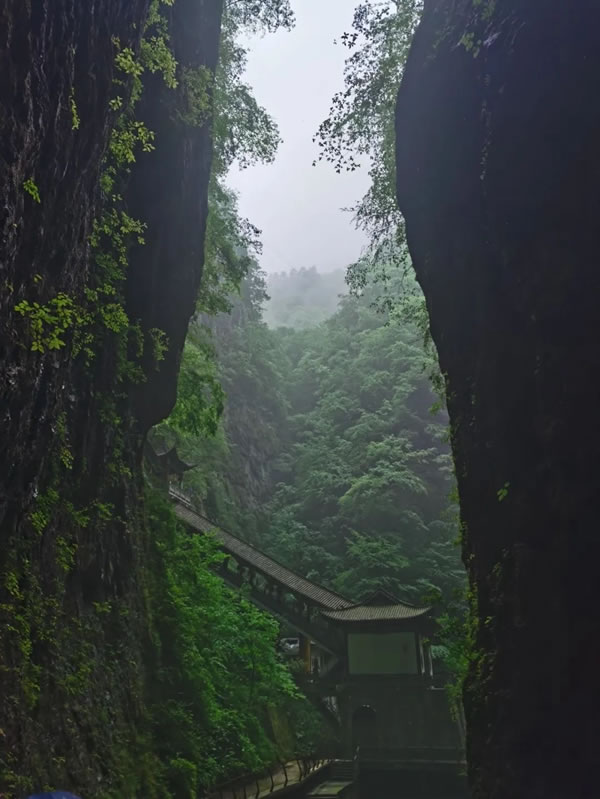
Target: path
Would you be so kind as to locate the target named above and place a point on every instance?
(267, 786)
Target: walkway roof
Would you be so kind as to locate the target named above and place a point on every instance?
(381, 606)
(311, 592)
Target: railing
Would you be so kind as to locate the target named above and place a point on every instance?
(409, 754)
(319, 631)
(272, 780)
(178, 495)
(283, 603)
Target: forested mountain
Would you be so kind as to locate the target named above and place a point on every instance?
(365, 478)
(329, 455)
(303, 297)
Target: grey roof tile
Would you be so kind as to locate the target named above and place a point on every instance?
(315, 594)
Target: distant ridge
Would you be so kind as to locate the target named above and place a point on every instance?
(303, 298)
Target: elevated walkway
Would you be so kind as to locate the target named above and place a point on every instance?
(273, 587)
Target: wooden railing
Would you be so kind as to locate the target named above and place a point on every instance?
(272, 780)
(411, 754)
(299, 613)
(326, 636)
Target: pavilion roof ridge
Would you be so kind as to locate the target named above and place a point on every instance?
(391, 601)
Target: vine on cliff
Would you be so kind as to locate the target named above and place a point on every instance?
(101, 309)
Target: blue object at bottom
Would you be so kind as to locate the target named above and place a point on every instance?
(54, 795)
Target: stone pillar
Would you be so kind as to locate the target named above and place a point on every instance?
(428, 662)
(305, 652)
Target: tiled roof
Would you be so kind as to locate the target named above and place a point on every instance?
(315, 594)
(396, 612)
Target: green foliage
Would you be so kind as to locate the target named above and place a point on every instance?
(228, 246)
(48, 322)
(366, 476)
(75, 121)
(361, 127)
(126, 62)
(485, 8)
(457, 642)
(104, 511)
(502, 493)
(199, 394)
(470, 44)
(44, 507)
(229, 364)
(328, 455)
(156, 56)
(126, 136)
(361, 120)
(371, 563)
(198, 84)
(65, 553)
(243, 132)
(216, 670)
(160, 344)
(261, 16)
(66, 457)
(31, 188)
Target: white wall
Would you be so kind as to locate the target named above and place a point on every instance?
(382, 653)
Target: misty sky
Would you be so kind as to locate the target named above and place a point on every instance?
(298, 206)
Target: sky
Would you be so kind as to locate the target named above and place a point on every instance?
(297, 206)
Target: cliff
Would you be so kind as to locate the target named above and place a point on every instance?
(497, 155)
(92, 327)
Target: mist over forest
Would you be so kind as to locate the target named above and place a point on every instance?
(303, 297)
(329, 424)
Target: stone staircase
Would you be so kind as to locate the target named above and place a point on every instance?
(339, 783)
(343, 771)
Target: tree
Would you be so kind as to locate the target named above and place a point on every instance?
(216, 677)
(365, 474)
(360, 130)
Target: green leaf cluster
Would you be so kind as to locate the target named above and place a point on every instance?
(48, 322)
(217, 679)
(31, 188)
(360, 130)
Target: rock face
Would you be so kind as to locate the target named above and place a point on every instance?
(498, 126)
(73, 619)
(171, 195)
(50, 54)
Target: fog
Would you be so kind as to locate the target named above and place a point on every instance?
(297, 206)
